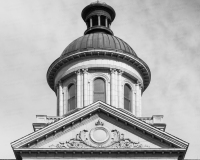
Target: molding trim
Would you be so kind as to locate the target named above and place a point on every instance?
(176, 153)
(97, 107)
(136, 62)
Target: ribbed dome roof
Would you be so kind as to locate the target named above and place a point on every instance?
(98, 41)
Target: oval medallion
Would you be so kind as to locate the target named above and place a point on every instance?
(99, 134)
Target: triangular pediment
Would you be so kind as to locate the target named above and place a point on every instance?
(99, 126)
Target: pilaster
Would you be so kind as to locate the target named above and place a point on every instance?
(116, 89)
(134, 100)
(65, 100)
(120, 94)
(60, 95)
(114, 98)
(90, 92)
(138, 99)
(85, 87)
(78, 92)
(57, 93)
(108, 97)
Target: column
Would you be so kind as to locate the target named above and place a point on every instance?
(112, 86)
(90, 95)
(99, 21)
(61, 109)
(138, 99)
(116, 98)
(65, 100)
(113, 93)
(108, 100)
(106, 22)
(57, 93)
(78, 86)
(85, 87)
(120, 95)
(81, 77)
(133, 105)
(91, 22)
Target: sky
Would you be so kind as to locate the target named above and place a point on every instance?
(165, 34)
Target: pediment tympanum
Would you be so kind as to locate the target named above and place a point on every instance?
(96, 133)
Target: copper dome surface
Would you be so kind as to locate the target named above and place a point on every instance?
(98, 41)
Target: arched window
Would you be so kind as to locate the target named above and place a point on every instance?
(127, 97)
(71, 97)
(99, 90)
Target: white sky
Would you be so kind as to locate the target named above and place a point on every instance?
(165, 34)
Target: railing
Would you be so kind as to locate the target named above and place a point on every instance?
(47, 119)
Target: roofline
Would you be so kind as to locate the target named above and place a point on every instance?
(86, 111)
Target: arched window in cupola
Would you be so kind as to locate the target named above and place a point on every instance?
(71, 97)
(127, 97)
(99, 90)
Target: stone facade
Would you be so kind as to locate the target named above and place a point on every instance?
(83, 78)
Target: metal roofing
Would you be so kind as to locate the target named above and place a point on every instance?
(98, 41)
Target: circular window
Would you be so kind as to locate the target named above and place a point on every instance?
(99, 134)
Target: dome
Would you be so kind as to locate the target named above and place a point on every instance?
(98, 41)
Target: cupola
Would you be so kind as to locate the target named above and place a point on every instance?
(98, 17)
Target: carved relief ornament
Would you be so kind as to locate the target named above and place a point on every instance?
(112, 139)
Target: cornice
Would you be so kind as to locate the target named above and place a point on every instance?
(61, 153)
(136, 62)
(102, 28)
(135, 150)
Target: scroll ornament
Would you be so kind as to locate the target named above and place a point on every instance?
(82, 141)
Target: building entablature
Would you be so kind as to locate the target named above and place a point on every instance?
(61, 153)
(135, 62)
